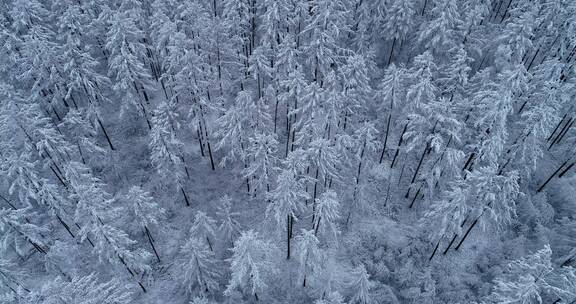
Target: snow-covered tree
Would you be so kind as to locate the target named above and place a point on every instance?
(197, 267)
(361, 286)
(398, 22)
(229, 226)
(262, 152)
(97, 213)
(533, 279)
(250, 265)
(204, 228)
(81, 289)
(145, 211)
(326, 215)
(166, 154)
(309, 255)
(286, 200)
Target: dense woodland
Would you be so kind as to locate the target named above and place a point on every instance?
(287, 151)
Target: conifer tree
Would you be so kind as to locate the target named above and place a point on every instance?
(250, 265)
(327, 213)
(309, 255)
(229, 226)
(204, 228)
(361, 285)
(145, 212)
(198, 267)
(286, 200)
(532, 279)
(81, 289)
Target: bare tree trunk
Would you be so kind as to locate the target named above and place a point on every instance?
(391, 51)
(150, 240)
(288, 237)
(399, 145)
(551, 176)
(385, 138)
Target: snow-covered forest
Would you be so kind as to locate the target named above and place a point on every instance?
(287, 151)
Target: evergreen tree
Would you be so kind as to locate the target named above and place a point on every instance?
(327, 213)
(286, 200)
(146, 213)
(361, 285)
(262, 151)
(204, 228)
(309, 255)
(250, 265)
(229, 226)
(532, 279)
(197, 267)
(81, 289)
(97, 213)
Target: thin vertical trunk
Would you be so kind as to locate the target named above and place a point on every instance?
(424, 7)
(415, 197)
(105, 133)
(391, 51)
(506, 11)
(566, 170)
(288, 237)
(294, 129)
(417, 169)
(314, 196)
(185, 196)
(551, 176)
(385, 138)
(561, 135)
(151, 241)
(276, 114)
(557, 126)
(399, 145)
(450, 244)
(467, 233)
(434, 251)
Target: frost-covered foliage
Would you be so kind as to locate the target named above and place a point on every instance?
(287, 151)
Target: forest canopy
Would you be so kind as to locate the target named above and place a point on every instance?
(287, 151)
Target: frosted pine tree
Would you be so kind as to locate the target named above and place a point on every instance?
(361, 286)
(123, 41)
(262, 152)
(331, 298)
(166, 150)
(197, 267)
(309, 256)
(327, 214)
(398, 23)
(204, 228)
(250, 265)
(145, 211)
(533, 279)
(229, 226)
(286, 200)
(20, 232)
(81, 289)
(443, 31)
(97, 214)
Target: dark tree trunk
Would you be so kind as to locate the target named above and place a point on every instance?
(467, 233)
(551, 176)
(399, 145)
(151, 241)
(391, 51)
(185, 197)
(434, 251)
(288, 237)
(105, 133)
(385, 138)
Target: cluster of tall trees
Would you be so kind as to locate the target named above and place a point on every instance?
(290, 151)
